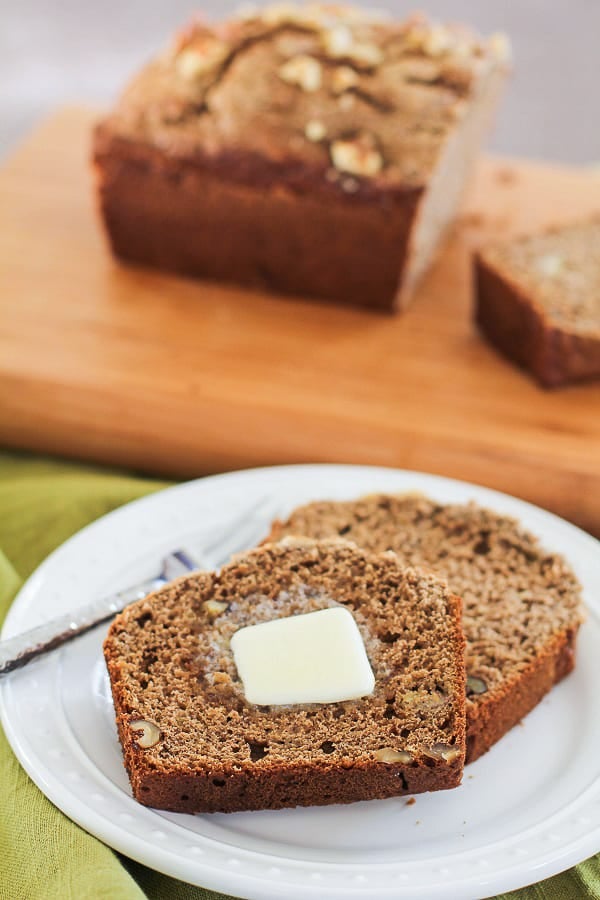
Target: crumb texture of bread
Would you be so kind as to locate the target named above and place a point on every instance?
(521, 604)
(538, 301)
(208, 749)
(267, 129)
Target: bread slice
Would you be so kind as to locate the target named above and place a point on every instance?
(538, 301)
(521, 604)
(192, 743)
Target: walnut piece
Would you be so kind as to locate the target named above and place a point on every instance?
(315, 131)
(149, 733)
(214, 608)
(431, 39)
(443, 751)
(339, 43)
(357, 156)
(343, 78)
(198, 60)
(303, 71)
(389, 755)
(475, 685)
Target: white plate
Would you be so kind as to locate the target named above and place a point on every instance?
(526, 810)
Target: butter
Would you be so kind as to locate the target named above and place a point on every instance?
(317, 657)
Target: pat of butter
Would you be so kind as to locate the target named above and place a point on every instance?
(317, 657)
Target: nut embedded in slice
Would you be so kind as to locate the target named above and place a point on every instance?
(389, 755)
(475, 685)
(149, 733)
(443, 751)
(214, 608)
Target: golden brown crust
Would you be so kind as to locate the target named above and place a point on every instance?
(393, 90)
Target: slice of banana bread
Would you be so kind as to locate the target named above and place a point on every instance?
(538, 301)
(521, 604)
(191, 741)
(309, 149)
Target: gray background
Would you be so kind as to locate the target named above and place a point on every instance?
(77, 50)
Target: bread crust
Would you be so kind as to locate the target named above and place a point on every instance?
(235, 220)
(513, 323)
(225, 789)
(488, 722)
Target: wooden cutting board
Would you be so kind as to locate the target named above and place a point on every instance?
(120, 365)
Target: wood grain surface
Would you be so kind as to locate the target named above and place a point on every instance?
(125, 366)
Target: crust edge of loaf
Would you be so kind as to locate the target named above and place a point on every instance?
(154, 211)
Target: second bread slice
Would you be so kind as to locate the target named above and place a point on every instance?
(522, 605)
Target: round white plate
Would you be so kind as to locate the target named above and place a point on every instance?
(526, 810)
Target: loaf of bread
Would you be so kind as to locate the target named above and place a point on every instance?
(313, 150)
(193, 743)
(538, 301)
(521, 604)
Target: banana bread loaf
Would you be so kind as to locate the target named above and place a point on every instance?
(193, 743)
(521, 604)
(538, 301)
(313, 150)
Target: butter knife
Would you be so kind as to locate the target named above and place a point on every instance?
(237, 535)
(21, 649)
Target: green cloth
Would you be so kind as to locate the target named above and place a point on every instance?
(43, 855)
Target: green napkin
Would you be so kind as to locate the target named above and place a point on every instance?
(43, 855)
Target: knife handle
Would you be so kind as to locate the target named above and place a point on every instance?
(21, 649)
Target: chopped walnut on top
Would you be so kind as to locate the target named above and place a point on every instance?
(315, 131)
(358, 155)
(343, 78)
(339, 42)
(303, 71)
(433, 40)
(198, 53)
